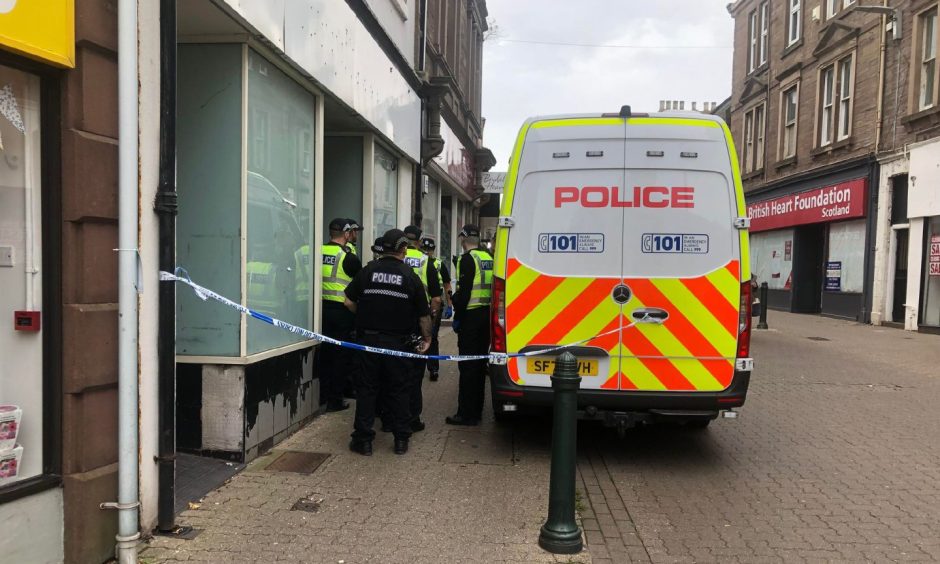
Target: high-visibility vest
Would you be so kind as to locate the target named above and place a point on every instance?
(481, 293)
(334, 275)
(440, 277)
(262, 288)
(352, 249)
(302, 273)
(419, 262)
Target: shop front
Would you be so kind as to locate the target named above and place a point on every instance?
(810, 246)
(923, 264)
(34, 45)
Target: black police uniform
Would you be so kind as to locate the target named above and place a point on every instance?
(390, 300)
(473, 338)
(336, 363)
(416, 402)
(434, 365)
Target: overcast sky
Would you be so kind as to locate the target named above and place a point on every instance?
(527, 79)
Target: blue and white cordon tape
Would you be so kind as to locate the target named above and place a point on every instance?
(495, 358)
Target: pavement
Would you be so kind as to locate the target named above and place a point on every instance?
(835, 457)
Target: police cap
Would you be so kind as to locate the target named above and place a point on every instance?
(413, 232)
(428, 244)
(469, 231)
(353, 225)
(340, 224)
(377, 246)
(394, 240)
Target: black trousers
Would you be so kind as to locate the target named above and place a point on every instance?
(416, 395)
(336, 363)
(473, 339)
(434, 365)
(391, 375)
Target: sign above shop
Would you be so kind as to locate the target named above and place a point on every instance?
(493, 182)
(845, 200)
(42, 30)
(934, 264)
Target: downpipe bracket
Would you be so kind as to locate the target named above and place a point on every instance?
(119, 506)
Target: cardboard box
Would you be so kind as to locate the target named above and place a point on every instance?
(10, 416)
(10, 463)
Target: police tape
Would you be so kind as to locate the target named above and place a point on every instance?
(496, 358)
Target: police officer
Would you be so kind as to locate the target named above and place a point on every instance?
(428, 275)
(389, 302)
(354, 229)
(443, 276)
(472, 324)
(338, 269)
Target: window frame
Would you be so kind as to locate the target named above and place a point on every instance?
(754, 147)
(918, 62)
(825, 121)
(794, 22)
(753, 41)
(846, 96)
(764, 36)
(829, 112)
(785, 124)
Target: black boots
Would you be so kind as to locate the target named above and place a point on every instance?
(363, 447)
(401, 446)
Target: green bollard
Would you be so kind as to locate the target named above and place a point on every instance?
(560, 534)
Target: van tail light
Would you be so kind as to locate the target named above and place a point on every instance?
(498, 313)
(744, 321)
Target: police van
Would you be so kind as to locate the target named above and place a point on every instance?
(627, 234)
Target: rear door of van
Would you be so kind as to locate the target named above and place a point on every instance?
(563, 262)
(623, 242)
(681, 256)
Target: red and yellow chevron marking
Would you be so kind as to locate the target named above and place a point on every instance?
(691, 351)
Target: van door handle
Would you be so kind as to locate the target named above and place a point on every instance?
(650, 315)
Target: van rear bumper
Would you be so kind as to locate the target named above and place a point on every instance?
(506, 391)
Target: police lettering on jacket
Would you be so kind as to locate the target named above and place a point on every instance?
(387, 278)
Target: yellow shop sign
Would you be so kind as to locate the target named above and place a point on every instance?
(41, 29)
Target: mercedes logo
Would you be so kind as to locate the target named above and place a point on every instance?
(622, 294)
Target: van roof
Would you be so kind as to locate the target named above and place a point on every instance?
(647, 115)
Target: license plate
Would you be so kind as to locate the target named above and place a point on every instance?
(546, 366)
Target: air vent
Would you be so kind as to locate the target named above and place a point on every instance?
(655, 153)
(563, 155)
(595, 153)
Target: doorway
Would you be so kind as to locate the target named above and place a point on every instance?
(809, 252)
(902, 236)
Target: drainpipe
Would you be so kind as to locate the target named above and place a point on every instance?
(165, 206)
(128, 193)
(418, 215)
(879, 107)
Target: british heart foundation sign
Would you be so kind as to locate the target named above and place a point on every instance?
(845, 200)
(41, 29)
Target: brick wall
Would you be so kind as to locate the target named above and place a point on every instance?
(823, 42)
(89, 283)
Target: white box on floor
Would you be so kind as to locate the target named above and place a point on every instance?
(10, 463)
(10, 416)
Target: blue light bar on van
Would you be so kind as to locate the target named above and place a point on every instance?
(595, 153)
(654, 153)
(563, 155)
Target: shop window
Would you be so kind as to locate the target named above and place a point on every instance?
(22, 418)
(789, 101)
(243, 215)
(931, 313)
(280, 204)
(772, 258)
(845, 265)
(385, 191)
